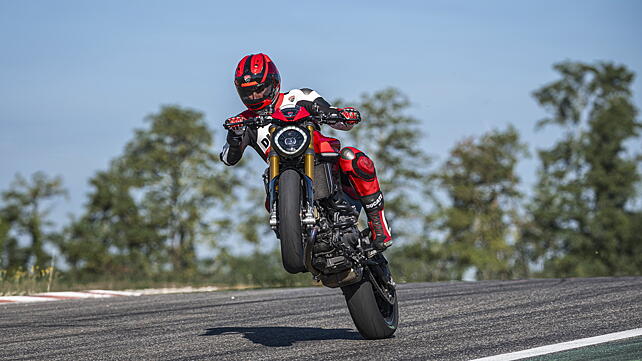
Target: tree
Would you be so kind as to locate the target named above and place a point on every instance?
(156, 202)
(8, 257)
(113, 236)
(180, 179)
(480, 183)
(24, 212)
(583, 220)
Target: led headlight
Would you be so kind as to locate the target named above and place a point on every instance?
(291, 140)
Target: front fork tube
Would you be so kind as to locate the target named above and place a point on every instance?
(308, 215)
(272, 199)
(308, 165)
(274, 173)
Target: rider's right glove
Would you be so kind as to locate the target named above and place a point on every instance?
(235, 129)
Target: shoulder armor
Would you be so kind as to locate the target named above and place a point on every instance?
(303, 94)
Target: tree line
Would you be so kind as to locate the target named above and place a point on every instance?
(167, 194)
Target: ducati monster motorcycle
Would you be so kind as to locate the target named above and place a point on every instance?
(317, 224)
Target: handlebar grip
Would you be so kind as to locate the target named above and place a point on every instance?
(229, 126)
(235, 125)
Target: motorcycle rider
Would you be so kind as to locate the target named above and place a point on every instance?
(258, 82)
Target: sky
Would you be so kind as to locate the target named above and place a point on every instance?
(77, 77)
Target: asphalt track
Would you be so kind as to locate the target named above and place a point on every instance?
(439, 321)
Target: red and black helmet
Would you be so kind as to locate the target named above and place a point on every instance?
(257, 80)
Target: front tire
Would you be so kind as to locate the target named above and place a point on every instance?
(290, 233)
(374, 317)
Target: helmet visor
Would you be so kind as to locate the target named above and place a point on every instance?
(256, 94)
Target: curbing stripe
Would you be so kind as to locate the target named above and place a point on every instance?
(54, 296)
(25, 299)
(57, 297)
(71, 295)
(114, 293)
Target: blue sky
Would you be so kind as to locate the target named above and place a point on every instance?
(76, 77)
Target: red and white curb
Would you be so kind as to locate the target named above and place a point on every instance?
(56, 296)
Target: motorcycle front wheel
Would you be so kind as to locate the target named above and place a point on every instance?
(289, 211)
(373, 305)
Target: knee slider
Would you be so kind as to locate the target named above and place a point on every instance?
(363, 167)
(355, 162)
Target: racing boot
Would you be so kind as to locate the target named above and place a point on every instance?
(379, 230)
(362, 176)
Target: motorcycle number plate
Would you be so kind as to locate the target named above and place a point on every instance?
(263, 137)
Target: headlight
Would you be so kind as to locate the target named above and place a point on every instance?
(291, 140)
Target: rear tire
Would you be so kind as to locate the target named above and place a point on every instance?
(289, 204)
(374, 318)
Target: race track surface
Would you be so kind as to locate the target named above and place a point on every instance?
(439, 321)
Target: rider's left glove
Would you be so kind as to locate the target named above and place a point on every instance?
(350, 115)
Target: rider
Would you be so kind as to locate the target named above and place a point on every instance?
(258, 83)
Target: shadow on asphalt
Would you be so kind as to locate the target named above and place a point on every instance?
(285, 336)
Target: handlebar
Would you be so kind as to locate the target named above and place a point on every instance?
(262, 120)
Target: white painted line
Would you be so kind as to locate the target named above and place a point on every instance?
(564, 346)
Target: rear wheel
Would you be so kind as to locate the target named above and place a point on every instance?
(289, 204)
(373, 303)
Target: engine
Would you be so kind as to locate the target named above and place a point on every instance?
(334, 249)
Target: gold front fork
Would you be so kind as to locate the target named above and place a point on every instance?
(274, 166)
(274, 160)
(308, 160)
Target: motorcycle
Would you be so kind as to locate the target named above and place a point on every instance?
(316, 222)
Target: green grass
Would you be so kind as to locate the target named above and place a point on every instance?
(23, 282)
